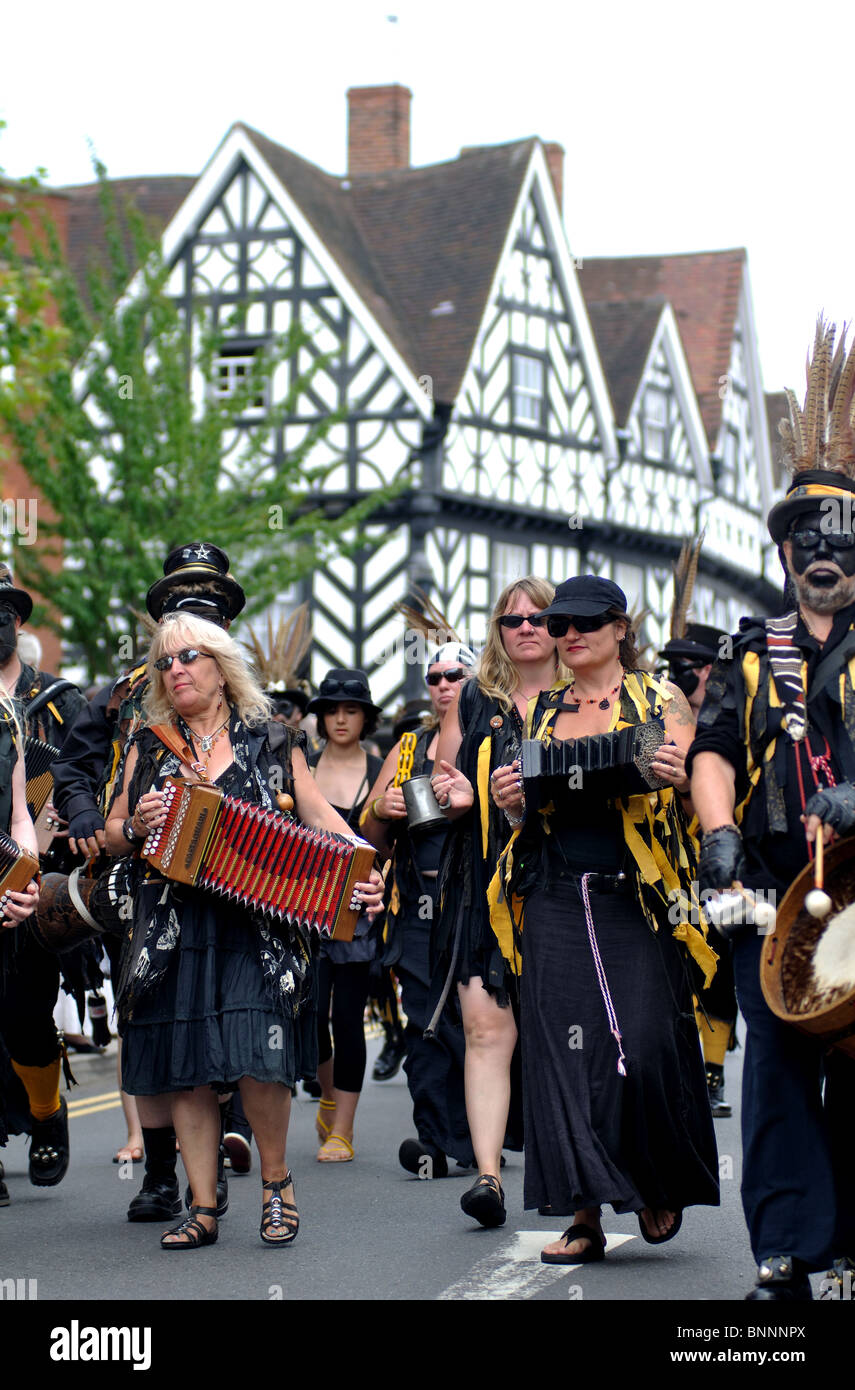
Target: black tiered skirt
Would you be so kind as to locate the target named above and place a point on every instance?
(209, 1021)
(593, 1136)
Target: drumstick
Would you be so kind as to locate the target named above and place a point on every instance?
(817, 902)
(762, 911)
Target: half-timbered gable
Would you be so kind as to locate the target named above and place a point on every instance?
(553, 416)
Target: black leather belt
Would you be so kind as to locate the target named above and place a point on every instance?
(601, 883)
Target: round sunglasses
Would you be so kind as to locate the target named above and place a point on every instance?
(454, 673)
(557, 624)
(186, 657)
(810, 539)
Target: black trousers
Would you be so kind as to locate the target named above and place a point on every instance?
(434, 1071)
(798, 1105)
(347, 986)
(28, 992)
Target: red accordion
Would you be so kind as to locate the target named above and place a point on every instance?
(259, 858)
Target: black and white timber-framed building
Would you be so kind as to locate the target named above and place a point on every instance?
(553, 415)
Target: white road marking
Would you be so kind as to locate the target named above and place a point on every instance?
(514, 1271)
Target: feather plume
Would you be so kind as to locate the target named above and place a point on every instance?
(430, 620)
(821, 434)
(685, 574)
(286, 650)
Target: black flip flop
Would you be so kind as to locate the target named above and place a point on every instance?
(660, 1240)
(595, 1252)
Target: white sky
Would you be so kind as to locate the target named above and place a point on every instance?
(687, 127)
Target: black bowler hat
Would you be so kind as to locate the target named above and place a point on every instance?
(18, 599)
(196, 563)
(586, 596)
(699, 641)
(343, 686)
(412, 717)
(282, 696)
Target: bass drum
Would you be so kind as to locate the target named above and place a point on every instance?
(73, 909)
(787, 977)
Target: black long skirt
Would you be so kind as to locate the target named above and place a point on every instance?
(593, 1136)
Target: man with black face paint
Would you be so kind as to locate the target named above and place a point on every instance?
(29, 975)
(772, 765)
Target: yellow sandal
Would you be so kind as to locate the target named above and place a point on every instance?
(323, 1130)
(336, 1149)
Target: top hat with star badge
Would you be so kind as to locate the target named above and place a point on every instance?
(199, 562)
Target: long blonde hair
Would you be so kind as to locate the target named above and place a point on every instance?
(497, 676)
(241, 688)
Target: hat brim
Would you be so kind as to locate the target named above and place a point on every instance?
(20, 601)
(578, 608)
(223, 585)
(809, 491)
(692, 650)
(322, 704)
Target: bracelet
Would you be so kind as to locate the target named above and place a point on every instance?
(130, 834)
(514, 821)
(372, 810)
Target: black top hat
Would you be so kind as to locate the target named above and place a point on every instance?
(342, 686)
(199, 562)
(699, 641)
(18, 599)
(586, 596)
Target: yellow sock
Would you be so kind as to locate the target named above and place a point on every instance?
(715, 1036)
(42, 1086)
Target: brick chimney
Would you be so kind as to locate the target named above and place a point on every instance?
(554, 154)
(378, 129)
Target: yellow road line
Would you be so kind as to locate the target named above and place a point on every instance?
(93, 1110)
(90, 1100)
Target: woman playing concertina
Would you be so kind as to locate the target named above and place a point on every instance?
(616, 1109)
(213, 997)
(481, 731)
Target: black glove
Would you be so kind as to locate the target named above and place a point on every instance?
(722, 860)
(835, 806)
(84, 825)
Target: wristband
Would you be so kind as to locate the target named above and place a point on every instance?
(373, 809)
(130, 834)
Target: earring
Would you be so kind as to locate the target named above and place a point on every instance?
(220, 701)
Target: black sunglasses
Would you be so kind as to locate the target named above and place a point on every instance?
(330, 688)
(681, 666)
(517, 620)
(557, 624)
(186, 657)
(810, 539)
(454, 673)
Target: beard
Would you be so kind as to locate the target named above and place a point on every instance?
(824, 597)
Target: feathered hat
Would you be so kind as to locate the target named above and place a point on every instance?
(819, 437)
(287, 649)
(689, 640)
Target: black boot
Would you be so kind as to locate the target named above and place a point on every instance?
(159, 1198)
(780, 1279)
(390, 1059)
(715, 1086)
(422, 1159)
(49, 1148)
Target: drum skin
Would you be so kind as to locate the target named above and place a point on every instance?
(56, 923)
(833, 1024)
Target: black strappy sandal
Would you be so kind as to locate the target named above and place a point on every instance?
(485, 1201)
(274, 1214)
(197, 1234)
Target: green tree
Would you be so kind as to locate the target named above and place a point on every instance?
(108, 401)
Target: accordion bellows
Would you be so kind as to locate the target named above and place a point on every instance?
(259, 858)
(617, 763)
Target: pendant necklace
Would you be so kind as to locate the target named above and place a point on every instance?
(207, 741)
(602, 703)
